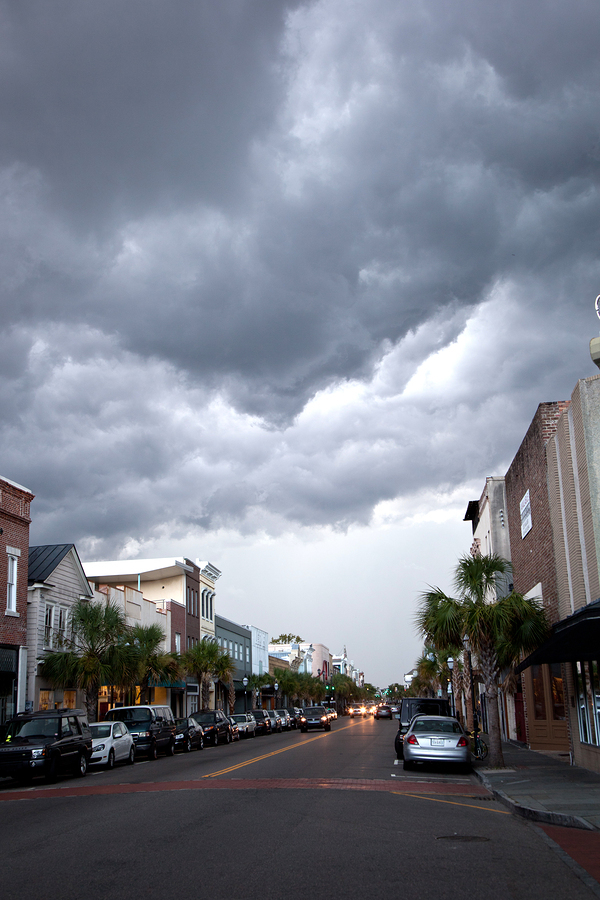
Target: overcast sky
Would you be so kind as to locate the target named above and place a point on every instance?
(282, 282)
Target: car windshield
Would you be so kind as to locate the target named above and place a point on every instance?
(181, 723)
(130, 716)
(28, 728)
(239, 718)
(314, 711)
(100, 731)
(205, 718)
(436, 726)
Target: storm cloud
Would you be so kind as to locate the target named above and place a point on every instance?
(270, 266)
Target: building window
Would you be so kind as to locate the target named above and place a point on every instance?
(210, 600)
(177, 642)
(247, 654)
(61, 627)
(48, 624)
(11, 584)
(203, 604)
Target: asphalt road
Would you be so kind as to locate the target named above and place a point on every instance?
(287, 816)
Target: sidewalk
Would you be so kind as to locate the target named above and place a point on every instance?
(544, 788)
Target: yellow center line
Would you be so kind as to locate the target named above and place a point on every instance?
(502, 812)
(256, 759)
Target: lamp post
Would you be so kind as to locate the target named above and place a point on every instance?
(245, 683)
(275, 689)
(450, 662)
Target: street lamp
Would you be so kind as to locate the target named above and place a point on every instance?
(450, 662)
(245, 683)
(275, 689)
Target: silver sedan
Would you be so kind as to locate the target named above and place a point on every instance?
(438, 739)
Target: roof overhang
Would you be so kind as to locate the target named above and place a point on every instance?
(575, 638)
(117, 571)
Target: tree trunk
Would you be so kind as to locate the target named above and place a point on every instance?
(489, 671)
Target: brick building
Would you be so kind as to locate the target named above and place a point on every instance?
(568, 663)
(15, 503)
(534, 571)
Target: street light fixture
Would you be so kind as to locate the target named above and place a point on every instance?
(245, 683)
(275, 689)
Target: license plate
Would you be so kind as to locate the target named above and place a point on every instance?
(437, 742)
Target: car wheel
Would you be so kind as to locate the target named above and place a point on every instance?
(216, 738)
(254, 733)
(153, 751)
(171, 747)
(82, 765)
(110, 762)
(328, 727)
(131, 757)
(201, 744)
(406, 765)
(227, 737)
(304, 730)
(188, 745)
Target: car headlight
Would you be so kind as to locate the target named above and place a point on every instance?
(179, 734)
(323, 718)
(38, 753)
(98, 748)
(143, 734)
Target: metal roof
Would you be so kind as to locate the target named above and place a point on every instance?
(43, 560)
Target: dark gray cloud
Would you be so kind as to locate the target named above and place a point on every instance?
(265, 265)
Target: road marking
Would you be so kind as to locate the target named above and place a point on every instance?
(256, 759)
(502, 812)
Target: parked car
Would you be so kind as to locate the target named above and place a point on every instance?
(112, 742)
(436, 739)
(263, 721)
(246, 724)
(215, 725)
(413, 706)
(152, 727)
(383, 712)
(314, 717)
(332, 711)
(235, 731)
(49, 743)
(188, 734)
(295, 713)
(286, 721)
(276, 724)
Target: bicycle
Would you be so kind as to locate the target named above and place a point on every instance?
(479, 748)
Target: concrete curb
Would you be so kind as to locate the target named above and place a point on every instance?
(535, 815)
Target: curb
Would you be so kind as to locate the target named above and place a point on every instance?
(535, 815)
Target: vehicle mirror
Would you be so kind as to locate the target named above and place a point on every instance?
(404, 729)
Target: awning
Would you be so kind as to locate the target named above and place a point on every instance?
(575, 638)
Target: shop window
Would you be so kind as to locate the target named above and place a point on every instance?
(539, 701)
(558, 693)
(69, 699)
(586, 693)
(46, 700)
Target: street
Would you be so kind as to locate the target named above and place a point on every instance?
(286, 816)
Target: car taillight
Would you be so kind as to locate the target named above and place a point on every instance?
(412, 740)
(462, 742)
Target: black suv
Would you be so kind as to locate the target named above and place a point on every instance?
(49, 743)
(152, 727)
(417, 706)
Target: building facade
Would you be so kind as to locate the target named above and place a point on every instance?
(15, 507)
(237, 641)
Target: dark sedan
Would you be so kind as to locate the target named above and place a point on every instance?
(383, 712)
(188, 735)
(263, 721)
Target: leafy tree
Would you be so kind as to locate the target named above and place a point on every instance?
(255, 683)
(498, 630)
(97, 652)
(288, 683)
(153, 663)
(201, 661)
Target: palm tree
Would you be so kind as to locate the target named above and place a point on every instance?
(224, 671)
(97, 652)
(498, 631)
(201, 660)
(153, 663)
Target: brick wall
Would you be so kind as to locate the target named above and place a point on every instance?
(14, 521)
(533, 555)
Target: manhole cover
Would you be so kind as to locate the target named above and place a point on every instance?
(464, 838)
